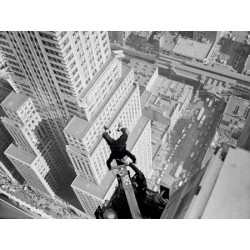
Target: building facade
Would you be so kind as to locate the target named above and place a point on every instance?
(34, 154)
(120, 102)
(77, 87)
(166, 101)
(54, 68)
(7, 170)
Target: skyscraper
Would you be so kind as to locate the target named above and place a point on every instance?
(54, 68)
(117, 99)
(6, 167)
(73, 79)
(33, 154)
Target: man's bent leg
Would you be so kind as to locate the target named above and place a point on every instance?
(110, 159)
(130, 155)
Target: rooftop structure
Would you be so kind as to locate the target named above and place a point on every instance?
(232, 121)
(192, 49)
(237, 107)
(168, 41)
(165, 100)
(145, 73)
(14, 101)
(99, 191)
(145, 34)
(20, 154)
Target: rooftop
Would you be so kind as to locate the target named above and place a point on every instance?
(144, 98)
(162, 106)
(167, 180)
(145, 34)
(236, 107)
(158, 131)
(78, 126)
(156, 147)
(14, 100)
(96, 190)
(143, 71)
(20, 154)
(170, 89)
(191, 48)
(10, 121)
(160, 126)
(168, 41)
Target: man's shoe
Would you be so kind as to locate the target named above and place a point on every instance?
(106, 129)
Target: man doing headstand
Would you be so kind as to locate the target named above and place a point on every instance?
(118, 147)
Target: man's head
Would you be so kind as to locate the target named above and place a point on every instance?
(125, 130)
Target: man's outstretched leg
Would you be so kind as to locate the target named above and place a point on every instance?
(130, 155)
(108, 139)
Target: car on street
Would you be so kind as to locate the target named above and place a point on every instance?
(176, 146)
(190, 125)
(179, 141)
(192, 155)
(183, 130)
(196, 142)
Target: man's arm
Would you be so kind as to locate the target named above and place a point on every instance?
(136, 170)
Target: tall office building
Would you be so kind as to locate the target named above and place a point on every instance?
(54, 68)
(33, 154)
(74, 74)
(118, 100)
(7, 169)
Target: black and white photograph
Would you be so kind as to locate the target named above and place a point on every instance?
(110, 122)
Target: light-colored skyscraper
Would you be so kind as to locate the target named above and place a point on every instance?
(117, 100)
(7, 169)
(54, 69)
(73, 79)
(34, 154)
